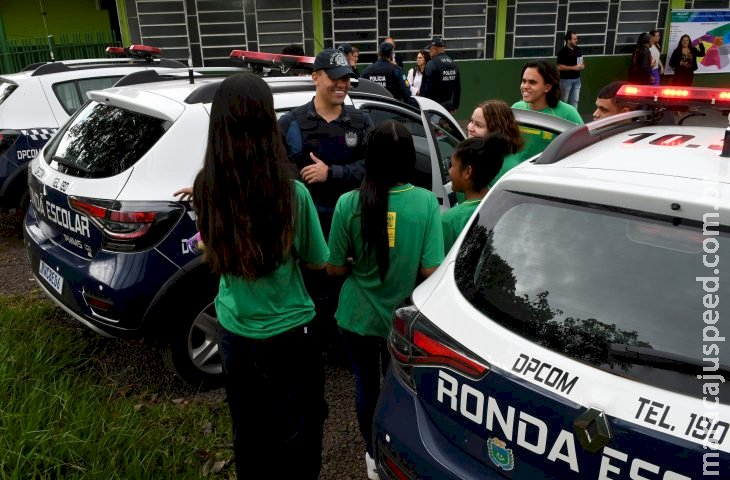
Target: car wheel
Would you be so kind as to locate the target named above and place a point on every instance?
(192, 345)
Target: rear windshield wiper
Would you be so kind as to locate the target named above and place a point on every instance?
(661, 359)
(69, 163)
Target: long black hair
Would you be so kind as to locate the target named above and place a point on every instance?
(244, 193)
(550, 76)
(390, 159)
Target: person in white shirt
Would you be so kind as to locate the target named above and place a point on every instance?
(656, 64)
(415, 74)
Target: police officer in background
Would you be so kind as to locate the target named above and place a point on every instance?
(441, 81)
(385, 72)
(325, 137)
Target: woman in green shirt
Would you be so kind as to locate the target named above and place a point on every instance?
(259, 226)
(474, 164)
(392, 231)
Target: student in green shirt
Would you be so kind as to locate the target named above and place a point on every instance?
(392, 231)
(474, 164)
(496, 116)
(259, 227)
(540, 90)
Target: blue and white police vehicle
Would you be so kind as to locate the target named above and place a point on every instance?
(106, 238)
(574, 330)
(40, 98)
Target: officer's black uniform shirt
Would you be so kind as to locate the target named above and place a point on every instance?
(389, 76)
(441, 82)
(339, 144)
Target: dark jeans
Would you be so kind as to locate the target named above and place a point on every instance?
(370, 358)
(275, 390)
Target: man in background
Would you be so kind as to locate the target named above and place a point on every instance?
(606, 101)
(389, 75)
(570, 64)
(441, 81)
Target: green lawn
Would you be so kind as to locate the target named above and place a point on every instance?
(60, 417)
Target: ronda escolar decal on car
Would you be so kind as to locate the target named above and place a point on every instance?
(533, 433)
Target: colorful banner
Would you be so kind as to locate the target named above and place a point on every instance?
(712, 28)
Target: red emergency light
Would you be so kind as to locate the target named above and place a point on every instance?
(137, 51)
(671, 95)
(273, 60)
(116, 51)
(144, 50)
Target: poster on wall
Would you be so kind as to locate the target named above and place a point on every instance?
(711, 28)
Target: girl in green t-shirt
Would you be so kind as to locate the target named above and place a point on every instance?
(258, 226)
(474, 164)
(392, 231)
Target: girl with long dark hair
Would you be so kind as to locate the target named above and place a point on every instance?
(415, 74)
(258, 226)
(684, 61)
(392, 231)
(640, 67)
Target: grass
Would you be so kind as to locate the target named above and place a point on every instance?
(61, 418)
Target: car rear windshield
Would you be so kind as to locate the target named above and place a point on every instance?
(103, 140)
(588, 282)
(6, 88)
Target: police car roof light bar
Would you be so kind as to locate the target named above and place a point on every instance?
(258, 60)
(116, 51)
(673, 97)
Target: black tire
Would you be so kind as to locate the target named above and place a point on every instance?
(191, 333)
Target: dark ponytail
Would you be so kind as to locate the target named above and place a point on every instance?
(390, 158)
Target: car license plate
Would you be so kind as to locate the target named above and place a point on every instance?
(49, 275)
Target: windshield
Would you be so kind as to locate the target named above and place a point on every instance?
(577, 279)
(6, 88)
(103, 140)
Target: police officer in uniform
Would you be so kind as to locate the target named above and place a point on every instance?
(441, 81)
(325, 137)
(385, 72)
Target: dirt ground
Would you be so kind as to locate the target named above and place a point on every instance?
(135, 367)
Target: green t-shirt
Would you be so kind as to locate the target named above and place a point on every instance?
(510, 162)
(454, 219)
(537, 140)
(278, 302)
(414, 228)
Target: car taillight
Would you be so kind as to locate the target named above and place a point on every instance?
(415, 341)
(7, 139)
(129, 226)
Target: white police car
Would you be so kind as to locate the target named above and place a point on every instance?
(40, 98)
(107, 240)
(573, 331)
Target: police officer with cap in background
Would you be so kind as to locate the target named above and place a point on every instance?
(441, 81)
(385, 72)
(325, 138)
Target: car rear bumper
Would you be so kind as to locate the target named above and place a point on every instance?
(113, 277)
(404, 436)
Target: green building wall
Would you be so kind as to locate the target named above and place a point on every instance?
(23, 19)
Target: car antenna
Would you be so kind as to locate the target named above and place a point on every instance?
(726, 141)
(190, 70)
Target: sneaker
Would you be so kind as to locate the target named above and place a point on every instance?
(370, 465)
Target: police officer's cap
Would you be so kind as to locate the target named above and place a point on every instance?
(437, 42)
(335, 63)
(345, 48)
(385, 50)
